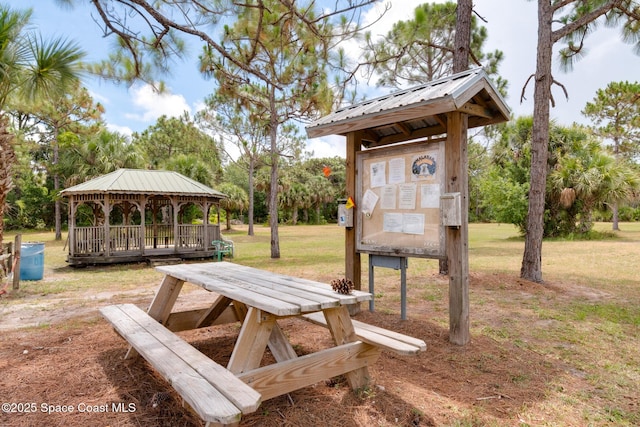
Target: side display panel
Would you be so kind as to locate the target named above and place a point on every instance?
(398, 200)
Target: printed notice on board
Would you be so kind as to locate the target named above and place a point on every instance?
(392, 223)
(430, 196)
(413, 223)
(389, 196)
(408, 196)
(396, 171)
(369, 201)
(378, 174)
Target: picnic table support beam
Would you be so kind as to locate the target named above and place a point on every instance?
(163, 302)
(282, 378)
(210, 316)
(279, 345)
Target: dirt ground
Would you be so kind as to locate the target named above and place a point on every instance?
(72, 373)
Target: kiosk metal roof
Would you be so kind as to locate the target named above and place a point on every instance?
(419, 111)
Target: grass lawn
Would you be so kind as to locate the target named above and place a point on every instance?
(565, 352)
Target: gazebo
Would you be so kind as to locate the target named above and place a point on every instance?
(139, 215)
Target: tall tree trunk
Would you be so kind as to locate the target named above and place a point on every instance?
(7, 159)
(614, 207)
(252, 165)
(462, 41)
(532, 258)
(462, 46)
(273, 196)
(616, 219)
(56, 188)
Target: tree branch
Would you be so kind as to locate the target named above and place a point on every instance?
(564, 89)
(583, 20)
(524, 88)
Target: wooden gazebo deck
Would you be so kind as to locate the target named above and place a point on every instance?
(131, 244)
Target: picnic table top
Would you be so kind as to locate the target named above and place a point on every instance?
(274, 293)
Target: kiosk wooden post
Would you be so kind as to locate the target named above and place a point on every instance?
(353, 265)
(457, 237)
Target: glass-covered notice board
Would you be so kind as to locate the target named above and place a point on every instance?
(398, 193)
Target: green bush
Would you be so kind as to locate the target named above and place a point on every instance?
(629, 214)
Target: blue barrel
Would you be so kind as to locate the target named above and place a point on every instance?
(31, 261)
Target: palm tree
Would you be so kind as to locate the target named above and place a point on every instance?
(31, 69)
(587, 178)
(295, 197)
(191, 166)
(321, 193)
(85, 157)
(236, 200)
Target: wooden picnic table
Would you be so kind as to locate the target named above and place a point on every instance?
(256, 298)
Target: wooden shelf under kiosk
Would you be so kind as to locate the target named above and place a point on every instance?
(397, 263)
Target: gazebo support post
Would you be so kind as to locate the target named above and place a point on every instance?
(143, 229)
(457, 238)
(72, 226)
(176, 237)
(107, 237)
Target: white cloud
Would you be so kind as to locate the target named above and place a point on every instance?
(328, 146)
(153, 104)
(124, 130)
(199, 106)
(97, 97)
(398, 10)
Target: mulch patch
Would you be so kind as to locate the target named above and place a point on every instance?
(82, 366)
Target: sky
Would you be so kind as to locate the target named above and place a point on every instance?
(511, 25)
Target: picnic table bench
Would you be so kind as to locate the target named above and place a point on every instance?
(221, 395)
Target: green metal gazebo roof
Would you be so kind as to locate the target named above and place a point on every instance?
(140, 181)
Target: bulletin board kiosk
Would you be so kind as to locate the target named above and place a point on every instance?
(398, 191)
(406, 159)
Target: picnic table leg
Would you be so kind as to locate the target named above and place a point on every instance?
(252, 341)
(279, 344)
(162, 304)
(241, 310)
(342, 331)
(210, 316)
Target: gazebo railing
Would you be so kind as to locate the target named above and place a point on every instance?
(191, 236)
(158, 236)
(126, 238)
(88, 240)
